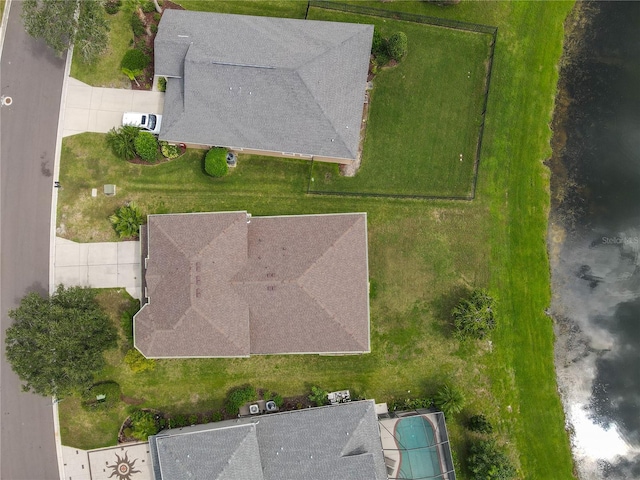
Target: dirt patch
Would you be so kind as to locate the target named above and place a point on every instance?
(131, 400)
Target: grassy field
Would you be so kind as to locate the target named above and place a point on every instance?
(422, 254)
(105, 72)
(424, 114)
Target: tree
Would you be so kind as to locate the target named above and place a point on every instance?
(121, 140)
(92, 35)
(397, 46)
(55, 344)
(127, 220)
(56, 23)
(449, 399)
(487, 462)
(215, 162)
(474, 317)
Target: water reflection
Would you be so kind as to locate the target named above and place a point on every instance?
(594, 240)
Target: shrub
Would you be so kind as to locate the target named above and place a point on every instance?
(121, 141)
(112, 6)
(154, 28)
(135, 60)
(449, 399)
(179, 421)
(137, 362)
(216, 416)
(169, 151)
(397, 46)
(144, 424)
(239, 396)
(146, 146)
(137, 25)
(480, 424)
(126, 321)
(148, 7)
(162, 84)
(156, 17)
(127, 220)
(318, 396)
(215, 162)
(487, 462)
(193, 419)
(474, 317)
(379, 43)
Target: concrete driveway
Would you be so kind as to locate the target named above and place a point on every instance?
(99, 265)
(97, 109)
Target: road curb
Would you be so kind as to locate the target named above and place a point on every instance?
(5, 20)
(52, 239)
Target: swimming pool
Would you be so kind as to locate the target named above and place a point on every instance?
(419, 457)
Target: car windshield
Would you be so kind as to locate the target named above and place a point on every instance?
(152, 122)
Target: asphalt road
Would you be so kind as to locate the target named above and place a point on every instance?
(32, 76)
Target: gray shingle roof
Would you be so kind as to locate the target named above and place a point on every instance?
(340, 441)
(219, 286)
(276, 84)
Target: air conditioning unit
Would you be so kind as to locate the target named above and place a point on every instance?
(271, 406)
(254, 409)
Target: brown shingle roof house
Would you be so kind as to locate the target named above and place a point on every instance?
(228, 284)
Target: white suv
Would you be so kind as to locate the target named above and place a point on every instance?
(146, 121)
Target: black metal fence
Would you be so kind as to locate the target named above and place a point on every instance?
(427, 20)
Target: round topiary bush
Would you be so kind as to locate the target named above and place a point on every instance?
(215, 163)
(397, 46)
(146, 146)
(135, 60)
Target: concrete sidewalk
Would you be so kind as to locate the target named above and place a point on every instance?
(97, 109)
(99, 265)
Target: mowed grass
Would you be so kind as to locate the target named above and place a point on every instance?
(105, 72)
(267, 8)
(424, 113)
(421, 255)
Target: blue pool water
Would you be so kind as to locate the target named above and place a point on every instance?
(419, 455)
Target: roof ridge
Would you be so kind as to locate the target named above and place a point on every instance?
(311, 90)
(313, 297)
(251, 432)
(216, 327)
(344, 452)
(171, 240)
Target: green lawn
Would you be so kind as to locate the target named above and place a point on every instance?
(268, 8)
(421, 253)
(105, 72)
(424, 114)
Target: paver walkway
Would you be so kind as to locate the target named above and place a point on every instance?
(99, 265)
(130, 461)
(97, 109)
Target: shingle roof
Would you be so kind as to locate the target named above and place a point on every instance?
(263, 83)
(219, 286)
(340, 441)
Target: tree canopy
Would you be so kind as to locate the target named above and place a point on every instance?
(56, 23)
(55, 344)
(487, 462)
